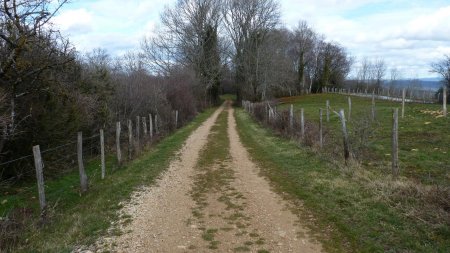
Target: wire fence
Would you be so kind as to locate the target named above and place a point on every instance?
(58, 161)
(333, 136)
(411, 95)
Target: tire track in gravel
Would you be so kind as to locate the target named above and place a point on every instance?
(158, 214)
(271, 218)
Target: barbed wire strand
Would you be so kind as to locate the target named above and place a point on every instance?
(59, 147)
(15, 160)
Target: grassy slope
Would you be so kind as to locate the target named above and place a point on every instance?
(79, 220)
(348, 215)
(423, 138)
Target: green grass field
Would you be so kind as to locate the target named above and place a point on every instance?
(351, 208)
(75, 220)
(424, 137)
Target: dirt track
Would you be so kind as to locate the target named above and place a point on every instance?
(242, 213)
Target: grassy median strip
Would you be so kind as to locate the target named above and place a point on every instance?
(80, 220)
(214, 194)
(212, 177)
(348, 215)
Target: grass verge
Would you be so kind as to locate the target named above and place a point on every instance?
(79, 220)
(350, 212)
(226, 97)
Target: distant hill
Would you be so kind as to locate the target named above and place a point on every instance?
(434, 79)
(423, 83)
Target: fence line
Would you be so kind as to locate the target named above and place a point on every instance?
(95, 147)
(427, 96)
(283, 121)
(150, 129)
(395, 166)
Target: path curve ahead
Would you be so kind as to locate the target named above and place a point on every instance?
(241, 214)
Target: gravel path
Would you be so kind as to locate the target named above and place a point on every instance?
(244, 215)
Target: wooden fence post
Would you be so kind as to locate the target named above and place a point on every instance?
(395, 166)
(403, 102)
(130, 139)
(291, 118)
(302, 123)
(373, 105)
(156, 124)
(39, 165)
(151, 126)
(444, 100)
(138, 133)
(119, 152)
(102, 153)
(345, 135)
(328, 110)
(349, 108)
(272, 118)
(273, 115)
(267, 114)
(144, 125)
(83, 176)
(320, 129)
(176, 119)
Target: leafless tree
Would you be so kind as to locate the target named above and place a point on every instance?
(442, 68)
(379, 72)
(278, 76)
(395, 75)
(304, 41)
(371, 73)
(190, 37)
(158, 53)
(22, 22)
(364, 73)
(248, 24)
(4, 119)
(28, 48)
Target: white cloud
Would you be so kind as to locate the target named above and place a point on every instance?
(115, 25)
(408, 34)
(431, 26)
(74, 22)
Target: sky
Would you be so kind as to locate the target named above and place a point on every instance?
(408, 34)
